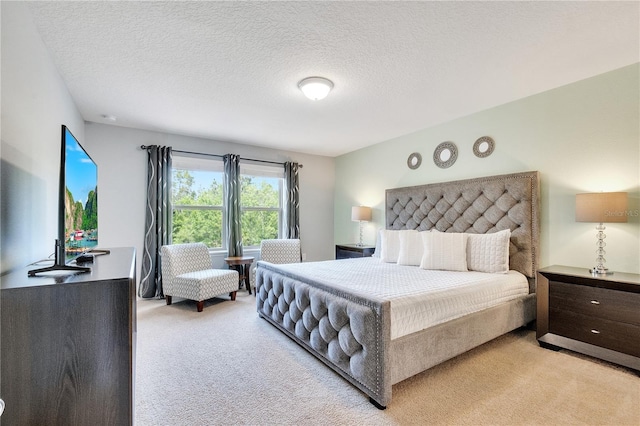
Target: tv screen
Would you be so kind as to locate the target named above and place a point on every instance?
(77, 207)
(80, 198)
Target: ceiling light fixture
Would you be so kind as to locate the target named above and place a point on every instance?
(315, 88)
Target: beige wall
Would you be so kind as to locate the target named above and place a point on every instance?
(583, 137)
(35, 103)
(122, 173)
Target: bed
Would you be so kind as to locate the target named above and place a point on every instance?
(342, 311)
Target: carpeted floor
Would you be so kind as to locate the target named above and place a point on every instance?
(227, 366)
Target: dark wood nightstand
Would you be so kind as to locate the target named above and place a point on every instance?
(346, 251)
(597, 315)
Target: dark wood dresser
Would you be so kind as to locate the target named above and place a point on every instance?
(68, 345)
(597, 315)
(346, 251)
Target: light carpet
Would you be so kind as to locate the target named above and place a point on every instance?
(226, 366)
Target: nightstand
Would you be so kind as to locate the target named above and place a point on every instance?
(347, 251)
(596, 315)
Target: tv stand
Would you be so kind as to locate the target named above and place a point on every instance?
(67, 345)
(59, 264)
(33, 272)
(98, 252)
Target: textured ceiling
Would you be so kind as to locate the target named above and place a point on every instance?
(229, 70)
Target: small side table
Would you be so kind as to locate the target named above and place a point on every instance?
(243, 265)
(596, 315)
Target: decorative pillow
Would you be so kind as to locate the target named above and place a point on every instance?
(376, 251)
(489, 252)
(389, 246)
(444, 251)
(411, 248)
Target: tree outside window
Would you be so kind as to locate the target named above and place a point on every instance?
(198, 202)
(261, 205)
(197, 207)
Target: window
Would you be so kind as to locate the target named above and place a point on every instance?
(197, 197)
(198, 201)
(261, 202)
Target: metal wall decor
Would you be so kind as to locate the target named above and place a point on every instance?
(414, 161)
(483, 147)
(445, 155)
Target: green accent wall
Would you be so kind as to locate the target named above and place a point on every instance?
(582, 137)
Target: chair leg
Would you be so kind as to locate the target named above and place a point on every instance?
(168, 299)
(200, 305)
(232, 295)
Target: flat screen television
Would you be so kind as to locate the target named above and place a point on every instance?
(77, 206)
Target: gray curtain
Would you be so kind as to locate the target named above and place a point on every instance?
(232, 201)
(158, 219)
(292, 201)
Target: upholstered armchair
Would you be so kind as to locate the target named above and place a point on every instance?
(187, 272)
(278, 251)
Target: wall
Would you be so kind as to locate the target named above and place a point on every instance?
(122, 173)
(35, 103)
(583, 137)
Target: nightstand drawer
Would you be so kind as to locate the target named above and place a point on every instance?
(614, 305)
(617, 336)
(347, 251)
(347, 254)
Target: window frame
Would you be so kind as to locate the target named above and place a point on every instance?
(200, 163)
(195, 162)
(250, 168)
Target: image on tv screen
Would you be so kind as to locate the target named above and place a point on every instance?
(80, 200)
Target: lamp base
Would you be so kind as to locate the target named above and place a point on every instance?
(600, 269)
(596, 271)
(359, 244)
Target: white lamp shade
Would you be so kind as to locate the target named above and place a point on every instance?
(361, 213)
(315, 88)
(601, 207)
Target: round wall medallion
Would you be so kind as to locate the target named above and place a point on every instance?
(483, 147)
(414, 161)
(445, 155)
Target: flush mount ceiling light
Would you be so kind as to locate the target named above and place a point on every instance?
(315, 88)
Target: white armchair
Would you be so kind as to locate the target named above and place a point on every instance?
(187, 272)
(278, 251)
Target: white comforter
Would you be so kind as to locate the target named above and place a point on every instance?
(419, 298)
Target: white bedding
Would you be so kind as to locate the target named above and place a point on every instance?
(419, 298)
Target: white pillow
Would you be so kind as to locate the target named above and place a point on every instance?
(376, 251)
(444, 251)
(389, 246)
(411, 248)
(489, 252)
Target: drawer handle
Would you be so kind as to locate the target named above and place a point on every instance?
(595, 302)
(594, 331)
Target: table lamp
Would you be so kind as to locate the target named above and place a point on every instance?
(601, 208)
(360, 214)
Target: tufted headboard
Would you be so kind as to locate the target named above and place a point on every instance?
(481, 206)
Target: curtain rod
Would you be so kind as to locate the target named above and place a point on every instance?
(220, 156)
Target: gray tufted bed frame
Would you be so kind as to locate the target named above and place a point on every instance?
(351, 333)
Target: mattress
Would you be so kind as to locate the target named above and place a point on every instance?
(419, 298)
